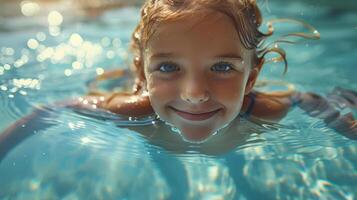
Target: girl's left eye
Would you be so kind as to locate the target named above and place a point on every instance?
(168, 67)
(222, 67)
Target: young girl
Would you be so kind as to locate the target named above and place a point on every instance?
(195, 66)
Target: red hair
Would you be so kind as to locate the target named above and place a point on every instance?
(245, 16)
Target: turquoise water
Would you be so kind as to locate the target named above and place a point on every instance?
(84, 157)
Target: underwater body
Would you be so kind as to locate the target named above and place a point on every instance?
(51, 57)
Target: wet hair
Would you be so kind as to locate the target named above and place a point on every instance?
(244, 14)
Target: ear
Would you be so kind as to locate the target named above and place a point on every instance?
(253, 75)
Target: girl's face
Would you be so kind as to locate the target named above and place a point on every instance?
(197, 73)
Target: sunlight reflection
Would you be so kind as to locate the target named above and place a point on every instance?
(26, 83)
(54, 30)
(29, 8)
(55, 18)
(110, 54)
(105, 42)
(85, 140)
(46, 54)
(77, 65)
(59, 54)
(34, 184)
(3, 88)
(41, 36)
(99, 71)
(76, 40)
(32, 44)
(7, 67)
(20, 62)
(68, 72)
(9, 51)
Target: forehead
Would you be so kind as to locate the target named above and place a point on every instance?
(207, 32)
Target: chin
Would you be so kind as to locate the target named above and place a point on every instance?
(197, 136)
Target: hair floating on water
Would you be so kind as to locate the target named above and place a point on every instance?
(273, 47)
(265, 49)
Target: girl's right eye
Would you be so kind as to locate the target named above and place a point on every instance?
(168, 67)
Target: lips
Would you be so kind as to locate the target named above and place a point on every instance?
(197, 116)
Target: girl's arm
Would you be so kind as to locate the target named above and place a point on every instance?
(268, 107)
(124, 104)
(133, 105)
(333, 110)
(22, 129)
(272, 108)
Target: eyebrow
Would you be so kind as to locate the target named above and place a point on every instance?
(162, 55)
(230, 56)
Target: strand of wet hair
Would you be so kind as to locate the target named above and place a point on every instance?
(265, 49)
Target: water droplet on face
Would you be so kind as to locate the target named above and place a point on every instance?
(175, 130)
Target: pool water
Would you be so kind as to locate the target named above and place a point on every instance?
(51, 57)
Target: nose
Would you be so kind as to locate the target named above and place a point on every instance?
(195, 90)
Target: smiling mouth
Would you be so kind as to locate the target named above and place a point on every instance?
(195, 116)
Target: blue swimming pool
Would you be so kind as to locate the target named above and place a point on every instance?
(51, 55)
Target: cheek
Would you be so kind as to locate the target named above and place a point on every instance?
(160, 91)
(230, 92)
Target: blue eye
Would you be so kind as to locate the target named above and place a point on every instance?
(168, 67)
(222, 67)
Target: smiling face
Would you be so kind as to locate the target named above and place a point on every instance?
(197, 73)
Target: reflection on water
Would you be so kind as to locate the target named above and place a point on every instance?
(49, 53)
(85, 157)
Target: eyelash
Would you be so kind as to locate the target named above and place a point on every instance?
(230, 65)
(159, 66)
(177, 68)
